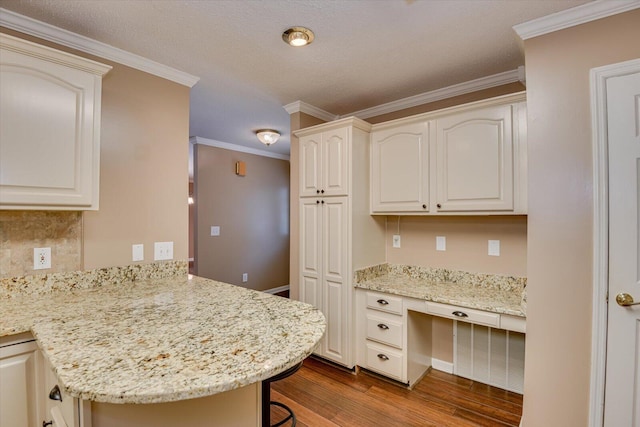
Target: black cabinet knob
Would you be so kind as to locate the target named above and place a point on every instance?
(439, 205)
(317, 201)
(424, 206)
(317, 191)
(322, 191)
(322, 202)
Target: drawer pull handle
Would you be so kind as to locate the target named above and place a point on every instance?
(383, 302)
(47, 423)
(460, 314)
(383, 326)
(383, 356)
(55, 394)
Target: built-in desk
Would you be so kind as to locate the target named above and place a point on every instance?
(394, 308)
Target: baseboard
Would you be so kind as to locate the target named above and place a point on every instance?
(277, 290)
(441, 365)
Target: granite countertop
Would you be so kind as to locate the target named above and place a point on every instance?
(163, 339)
(494, 293)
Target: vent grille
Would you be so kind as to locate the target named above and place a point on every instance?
(491, 356)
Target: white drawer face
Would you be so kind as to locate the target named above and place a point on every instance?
(383, 329)
(464, 314)
(513, 323)
(384, 302)
(384, 360)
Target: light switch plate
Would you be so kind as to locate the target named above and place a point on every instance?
(441, 243)
(215, 230)
(245, 277)
(162, 251)
(396, 240)
(137, 252)
(494, 247)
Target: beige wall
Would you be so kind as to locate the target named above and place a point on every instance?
(557, 369)
(253, 215)
(143, 168)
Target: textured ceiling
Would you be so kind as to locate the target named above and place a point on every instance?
(366, 53)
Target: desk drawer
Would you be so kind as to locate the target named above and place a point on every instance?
(384, 360)
(385, 329)
(384, 302)
(464, 314)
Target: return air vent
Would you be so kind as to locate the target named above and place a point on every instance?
(491, 356)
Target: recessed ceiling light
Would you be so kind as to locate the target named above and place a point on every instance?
(298, 36)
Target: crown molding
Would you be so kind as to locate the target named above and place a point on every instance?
(444, 93)
(32, 27)
(575, 16)
(235, 147)
(303, 107)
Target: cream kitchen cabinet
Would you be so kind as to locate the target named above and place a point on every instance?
(400, 159)
(61, 409)
(328, 226)
(324, 163)
(21, 394)
(49, 127)
(472, 161)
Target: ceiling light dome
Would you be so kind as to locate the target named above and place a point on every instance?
(298, 36)
(268, 136)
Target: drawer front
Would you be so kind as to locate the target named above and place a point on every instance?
(384, 360)
(384, 329)
(464, 314)
(384, 302)
(513, 323)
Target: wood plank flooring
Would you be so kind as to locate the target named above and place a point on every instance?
(322, 395)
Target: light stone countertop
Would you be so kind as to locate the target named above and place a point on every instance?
(164, 339)
(494, 293)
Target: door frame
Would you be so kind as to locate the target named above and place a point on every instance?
(598, 89)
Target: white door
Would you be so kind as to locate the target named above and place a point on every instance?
(622, 391)
(310, 165)
(335, 152)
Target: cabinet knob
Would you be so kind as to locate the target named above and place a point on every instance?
(424, 206)
(322, 191)
(439, 205)
(317, 191)
(383, 302)
(383, 356)
(383, 326)
(322, 202)
(55, 394)
(317, 201)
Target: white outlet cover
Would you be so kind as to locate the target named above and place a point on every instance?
(41, 258)
(441, 243)
(215, 230)
(137, 252)
(162, 251)
(245, 277)
(494, 247)
(396, 241)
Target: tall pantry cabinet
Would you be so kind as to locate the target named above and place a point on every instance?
(333, 208)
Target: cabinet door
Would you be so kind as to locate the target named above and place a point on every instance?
(310, 153)
(335, 152)
(475, 161)
(400, 169)
(20, 396)
(336, 291)
(49, 129)
(310, 252)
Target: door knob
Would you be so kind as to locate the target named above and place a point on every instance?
(625, 300)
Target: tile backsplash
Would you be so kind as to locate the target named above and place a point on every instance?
(22, 231)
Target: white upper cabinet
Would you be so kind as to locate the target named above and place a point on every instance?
(49, 127)
(475, 160)
(400, 158)
(463, 160)
(324, 163)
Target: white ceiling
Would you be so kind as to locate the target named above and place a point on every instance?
(366, 52)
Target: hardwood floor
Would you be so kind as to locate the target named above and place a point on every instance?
(322, 395)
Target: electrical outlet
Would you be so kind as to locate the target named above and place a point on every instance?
(215, 230)
(396, 240)
(41, 258)
(245, 277)
(494, 247)
(441, 243)
(162, 251)
(137, 252)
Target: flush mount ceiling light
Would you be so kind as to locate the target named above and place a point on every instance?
(298, 36)
(268, 136)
